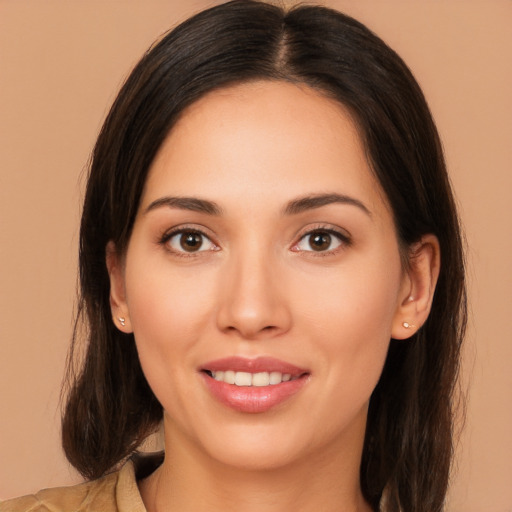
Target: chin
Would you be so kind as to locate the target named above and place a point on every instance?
(250, 444)
(267, 455)
(271, 445)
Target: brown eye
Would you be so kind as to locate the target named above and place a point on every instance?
(321, 241)
(190, 241)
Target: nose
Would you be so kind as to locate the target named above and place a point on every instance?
(253, 302)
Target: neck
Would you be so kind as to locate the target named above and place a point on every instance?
(189, 480)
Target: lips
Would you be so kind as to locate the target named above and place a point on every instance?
(253, 385)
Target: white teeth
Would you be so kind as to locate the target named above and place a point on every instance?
(275, 378)
(229, 377)
(251, 379)
(261, 379)
(243, 379)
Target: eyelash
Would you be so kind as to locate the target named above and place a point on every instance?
(166, 237)
(344, 241)
(343, 238)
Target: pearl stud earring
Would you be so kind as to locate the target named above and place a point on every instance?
(122, 321)
(407, 325)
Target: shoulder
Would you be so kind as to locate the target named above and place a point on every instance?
(90, 496)
(116, 492)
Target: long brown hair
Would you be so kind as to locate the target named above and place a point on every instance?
(110, 407)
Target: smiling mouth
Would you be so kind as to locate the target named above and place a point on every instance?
(247, 379)
(253, 385)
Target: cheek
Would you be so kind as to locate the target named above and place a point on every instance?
(350, 317)
(168, 311)
(353, 300)
(165, 304)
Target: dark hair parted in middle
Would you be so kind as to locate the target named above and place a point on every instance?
(111, 408)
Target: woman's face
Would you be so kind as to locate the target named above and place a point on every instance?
(264, 253)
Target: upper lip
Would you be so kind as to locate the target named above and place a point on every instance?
(256, 365)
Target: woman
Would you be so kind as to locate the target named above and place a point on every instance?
(271, 264)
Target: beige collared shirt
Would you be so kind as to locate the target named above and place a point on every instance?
(116, 492)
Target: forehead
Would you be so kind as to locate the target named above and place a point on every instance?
(271, 138)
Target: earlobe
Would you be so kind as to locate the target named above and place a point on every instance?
(417, 293)
(118, 304)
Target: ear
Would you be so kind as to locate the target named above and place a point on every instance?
(418, 287)
(118, 306)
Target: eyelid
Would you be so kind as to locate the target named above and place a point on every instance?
(341, 234)
(177, 230)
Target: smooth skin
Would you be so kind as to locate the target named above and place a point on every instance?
(247, 266)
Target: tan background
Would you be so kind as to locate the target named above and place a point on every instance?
(61, 63)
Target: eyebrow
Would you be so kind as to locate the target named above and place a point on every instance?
(193, 204)
(310, 202)
(294, 207)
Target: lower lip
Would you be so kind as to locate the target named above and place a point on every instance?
(253, 399)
